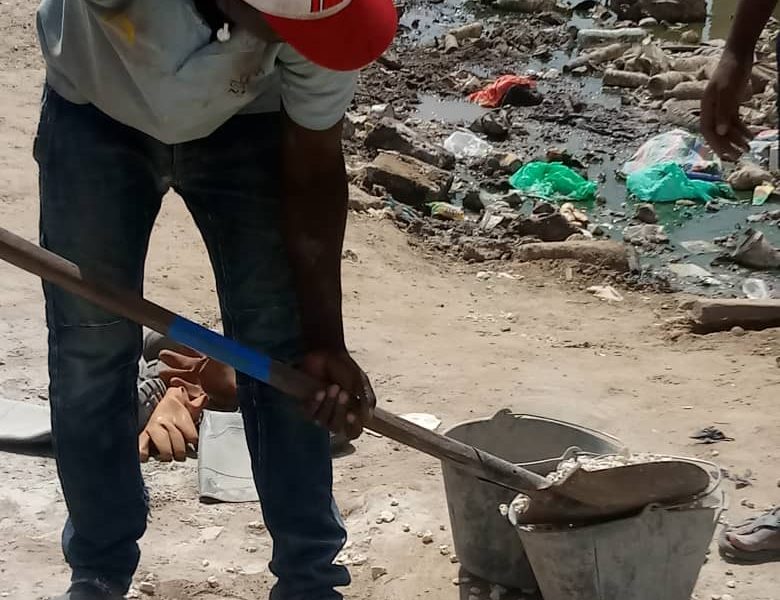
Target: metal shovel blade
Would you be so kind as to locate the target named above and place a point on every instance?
(589, 496)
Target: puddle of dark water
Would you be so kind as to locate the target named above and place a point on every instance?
(433, 108)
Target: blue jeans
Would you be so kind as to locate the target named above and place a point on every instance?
(101, 186)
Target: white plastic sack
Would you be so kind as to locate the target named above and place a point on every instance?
(677, 146)
(467, 145)
(224, 465)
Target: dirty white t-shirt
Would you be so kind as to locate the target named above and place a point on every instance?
(151, 64)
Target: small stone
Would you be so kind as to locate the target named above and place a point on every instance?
(382, 111)
(714, 453)
(405, 528)
(385, 517)
(427, 537)
(747, 504)
(444, 550)
(359, 560)
(729, 573)
(454, 559)
(147, 587)
(256, 525)
(212, 581)
(716, 597)
(205, 563)
(738, 331)
(442, 527)
(690, 37)
(377, 572)
(648, 22)
(251, 549)
(731, 584)
(394, 502)
(646, 214)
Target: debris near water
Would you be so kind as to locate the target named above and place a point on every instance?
(756, 252)
(711, 435)
(606, 292)
(475, 150)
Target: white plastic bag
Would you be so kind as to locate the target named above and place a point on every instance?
(467, 145)
(677, 146)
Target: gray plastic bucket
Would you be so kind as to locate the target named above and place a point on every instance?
(656, 554)
(485, 543)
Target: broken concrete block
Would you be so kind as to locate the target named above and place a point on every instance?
(392, 135)
(408, 179)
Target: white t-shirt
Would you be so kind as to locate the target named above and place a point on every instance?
(151, 65)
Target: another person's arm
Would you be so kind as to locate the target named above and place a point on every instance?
(172, 426)
(720, 121)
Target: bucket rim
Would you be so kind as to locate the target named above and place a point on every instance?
(507, 412)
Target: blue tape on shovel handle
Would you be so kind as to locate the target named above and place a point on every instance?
(216, 346)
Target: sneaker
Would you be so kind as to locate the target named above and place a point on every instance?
(88, 591)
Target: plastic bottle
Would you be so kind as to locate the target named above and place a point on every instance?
(593, 37)
(626, 79)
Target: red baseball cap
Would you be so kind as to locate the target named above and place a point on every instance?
(342, 35)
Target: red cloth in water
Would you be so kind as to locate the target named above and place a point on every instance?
(493, 95)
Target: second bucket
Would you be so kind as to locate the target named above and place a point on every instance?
(486, 544)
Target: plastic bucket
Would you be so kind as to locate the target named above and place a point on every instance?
(656, 554)
(484, 541)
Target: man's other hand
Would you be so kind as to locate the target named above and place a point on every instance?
(345, 403)
(721, 124)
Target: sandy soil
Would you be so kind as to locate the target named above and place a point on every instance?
(435, 339)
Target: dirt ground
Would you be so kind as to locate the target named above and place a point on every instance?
(434, 338)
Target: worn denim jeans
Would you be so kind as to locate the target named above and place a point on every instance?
(101, 186)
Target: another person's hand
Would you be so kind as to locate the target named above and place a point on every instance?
(172, 425)
(217, 379)
(721, 124)
(346, 402)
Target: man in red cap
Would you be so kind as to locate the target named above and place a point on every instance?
(238, 108)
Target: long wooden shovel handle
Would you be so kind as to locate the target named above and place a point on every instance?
(68, 276)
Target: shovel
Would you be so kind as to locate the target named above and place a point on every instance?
(582, 497)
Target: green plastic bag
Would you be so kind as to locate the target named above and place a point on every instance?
(552, 181)
(667, 182)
